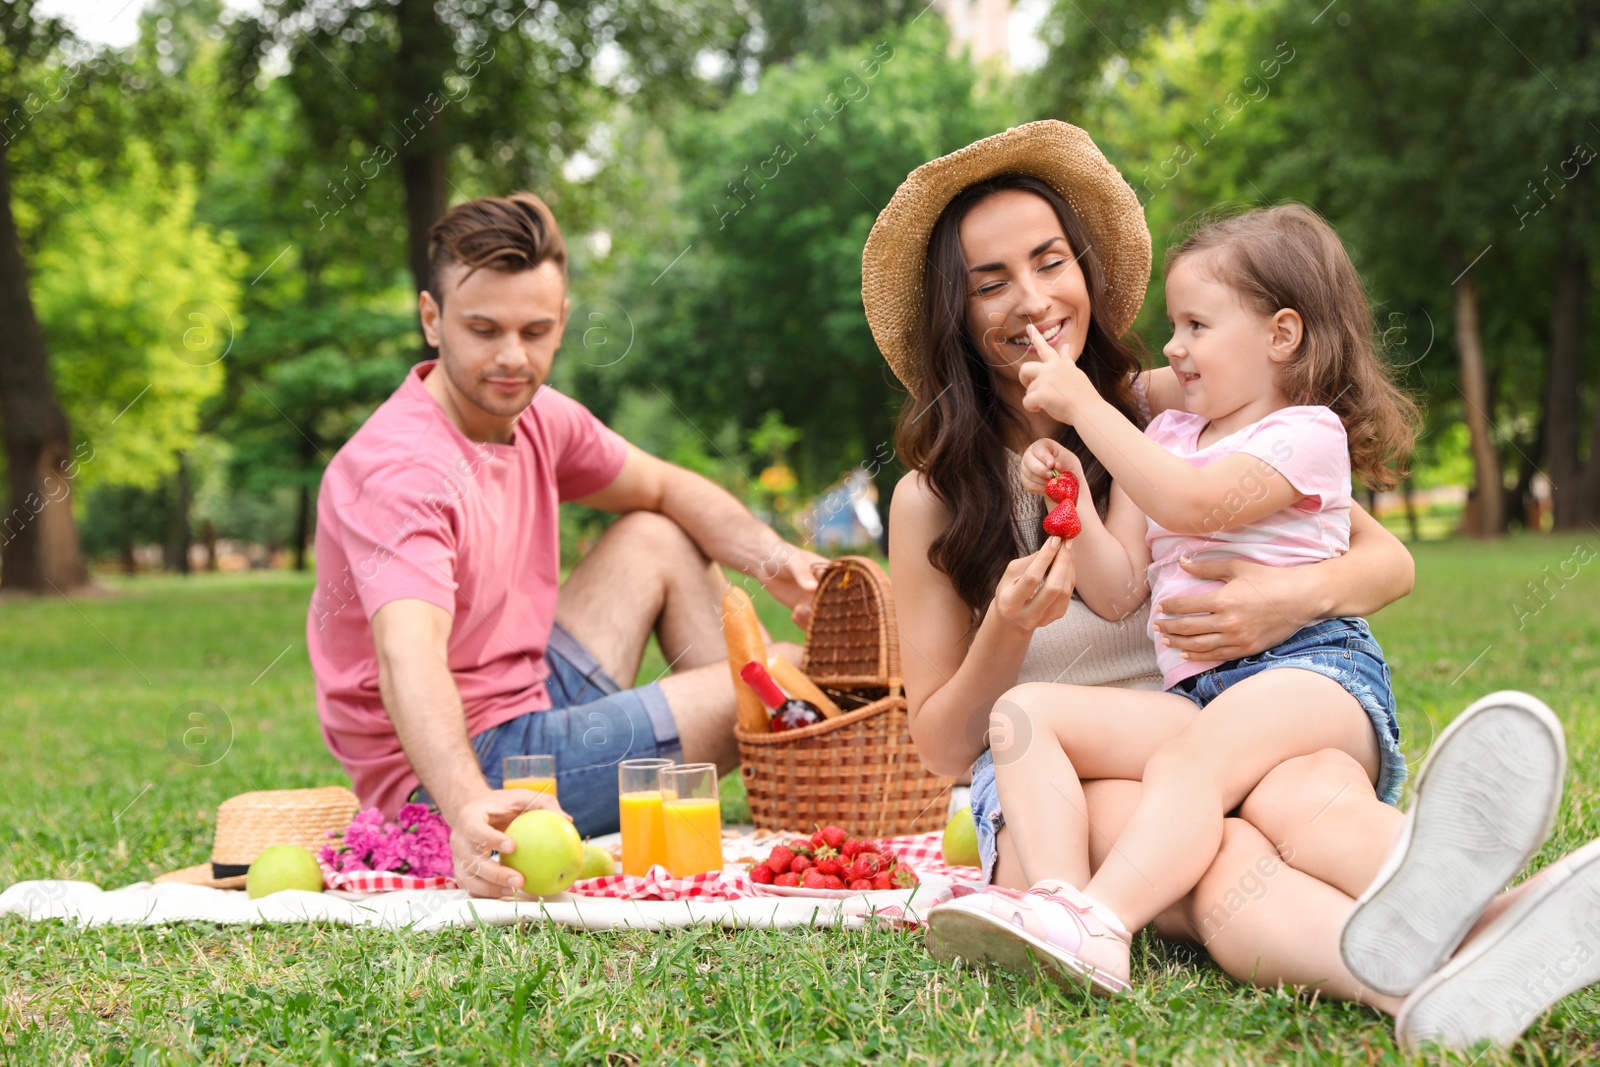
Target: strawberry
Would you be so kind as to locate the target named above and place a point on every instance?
(860, 885)
(830, 866)
(868, 864)
(833, 882)
(883, 881)
(1063, 485)
(799, 864)
(851, 848)
(780, 858)
(1063, 521)
(813, 880)
(833, 836)
(761, 874)
(788, 879)
(817, 840)
(904, 878)
(801, 846)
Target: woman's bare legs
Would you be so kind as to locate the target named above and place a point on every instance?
(1268, 924)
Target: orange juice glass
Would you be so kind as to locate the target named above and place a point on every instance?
(644, 840)
(692, 817)
(537, 773)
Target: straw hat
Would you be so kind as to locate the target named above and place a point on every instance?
(250, 822)
(1055, 152)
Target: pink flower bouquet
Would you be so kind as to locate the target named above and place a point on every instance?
(416, 843)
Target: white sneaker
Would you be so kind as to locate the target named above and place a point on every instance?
(1486, 800)
(1545, 946)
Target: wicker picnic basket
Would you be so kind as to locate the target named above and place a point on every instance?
(859, 770)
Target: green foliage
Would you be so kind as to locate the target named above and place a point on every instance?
(141, 306)
(779, 189)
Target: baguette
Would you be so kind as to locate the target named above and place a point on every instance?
(798, 684)
(742, 632)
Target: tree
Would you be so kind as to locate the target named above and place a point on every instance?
(759, 309)
(40, 550)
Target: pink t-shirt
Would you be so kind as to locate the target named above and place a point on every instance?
(410, 508)
(1307, 445)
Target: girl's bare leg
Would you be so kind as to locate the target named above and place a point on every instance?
(1112, 733)
(1194, 780)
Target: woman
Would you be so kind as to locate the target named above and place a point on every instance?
(1035, 227)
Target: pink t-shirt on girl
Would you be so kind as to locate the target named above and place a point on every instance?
(1308, 446)
(410, 508)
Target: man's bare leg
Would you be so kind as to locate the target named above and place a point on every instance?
(646, 575)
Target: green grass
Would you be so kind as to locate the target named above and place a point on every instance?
(102, 783)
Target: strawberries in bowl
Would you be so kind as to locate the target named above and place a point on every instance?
(831, 860)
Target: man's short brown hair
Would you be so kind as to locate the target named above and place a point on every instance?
(505, 233)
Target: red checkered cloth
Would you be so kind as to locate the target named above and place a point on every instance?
(921, 852)
(378, 881)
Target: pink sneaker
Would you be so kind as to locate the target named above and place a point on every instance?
(1069, 936)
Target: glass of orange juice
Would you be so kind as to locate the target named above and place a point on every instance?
(537, 773)
(692, 817)
(644, 837)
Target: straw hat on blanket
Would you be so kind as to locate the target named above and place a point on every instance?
(250, 822)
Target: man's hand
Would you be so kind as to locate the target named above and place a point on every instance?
(478, 828)
(1258, 608)
(790, 575)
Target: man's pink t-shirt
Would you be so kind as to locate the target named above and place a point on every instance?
(1307, 445)
(410, 508)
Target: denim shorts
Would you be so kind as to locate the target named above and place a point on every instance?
(1341, 649)
(592, 725)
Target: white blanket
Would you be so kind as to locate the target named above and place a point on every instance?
(147, 904)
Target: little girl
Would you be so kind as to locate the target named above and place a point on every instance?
(1285, 394)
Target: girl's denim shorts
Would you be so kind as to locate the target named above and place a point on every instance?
(1341, 649)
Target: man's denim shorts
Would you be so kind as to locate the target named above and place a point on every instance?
(592, 725)
(1341, 649)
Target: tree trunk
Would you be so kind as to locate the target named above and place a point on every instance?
(422, 57)
(1489, 516)
(208, 535)
(39, 549)
(179, 538)
(302, 526)
(1408, 490)
(1564, 384)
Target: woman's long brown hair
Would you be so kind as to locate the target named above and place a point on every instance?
(1290, 257)
(954, 431)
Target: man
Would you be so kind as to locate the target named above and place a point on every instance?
(438, 636)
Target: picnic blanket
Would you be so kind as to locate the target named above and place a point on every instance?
(726, 898)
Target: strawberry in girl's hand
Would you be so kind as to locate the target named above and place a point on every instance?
(1063, 522)
(1062, 485)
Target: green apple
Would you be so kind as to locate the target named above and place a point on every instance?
(283, 867)
(961, 841)
(596, 862)
(548, 853)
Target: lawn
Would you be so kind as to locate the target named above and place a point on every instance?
(125, 719)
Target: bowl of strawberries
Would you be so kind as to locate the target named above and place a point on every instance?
(830, 863)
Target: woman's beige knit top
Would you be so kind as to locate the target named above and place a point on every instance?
(1080, 648)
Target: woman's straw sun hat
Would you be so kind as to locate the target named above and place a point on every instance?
(250, 822)
(1056, 152)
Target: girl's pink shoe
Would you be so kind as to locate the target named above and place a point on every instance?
(1056, 929)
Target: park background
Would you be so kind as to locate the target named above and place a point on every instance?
(212, 229)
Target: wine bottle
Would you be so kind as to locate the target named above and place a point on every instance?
(787, 713)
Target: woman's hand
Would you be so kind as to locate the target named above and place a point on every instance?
(1036, 590)
(1258, 607)
(478, 828)
(1055, 384)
